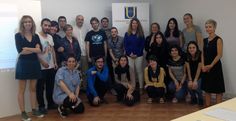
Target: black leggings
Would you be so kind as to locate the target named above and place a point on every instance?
(101, 89)
(45, 83)
(155, 92)
(121, 95)
(76, 108)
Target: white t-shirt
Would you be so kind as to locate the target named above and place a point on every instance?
(79, 34)
(47, 51)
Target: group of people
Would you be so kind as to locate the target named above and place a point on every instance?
(62, 60)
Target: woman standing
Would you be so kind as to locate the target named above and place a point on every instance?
(159, 48)
(212, 80)
(173, 34)
(191, 32)
(70, 44)
(155, 27)
(125, 83)
(134, 44)
(28, 66)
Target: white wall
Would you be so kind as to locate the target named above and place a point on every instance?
(222, 12)
(88, 8)
(161, 11)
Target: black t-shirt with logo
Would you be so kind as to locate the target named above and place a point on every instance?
(96, 43)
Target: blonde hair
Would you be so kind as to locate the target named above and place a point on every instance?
(21, 25)
(211, 21)
(139, 31)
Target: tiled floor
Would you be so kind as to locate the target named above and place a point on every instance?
(119, 112)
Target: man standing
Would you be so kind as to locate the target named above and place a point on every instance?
(116, 50)
(79, 32)
(58, 43)
(62, 22)
(48, 63)
(116, 46)
(97, 82)
(105, 26)
(95, 42)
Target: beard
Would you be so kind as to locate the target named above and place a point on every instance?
(45, 31)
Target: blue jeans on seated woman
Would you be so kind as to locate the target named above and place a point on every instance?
(196, 95)
(180, 94)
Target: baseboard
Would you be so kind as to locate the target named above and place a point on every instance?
(229, 96)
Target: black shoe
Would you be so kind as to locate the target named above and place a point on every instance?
(52, 106)
(62, 111)
(200, 102)
(193, 101)
(43, 111)
(103, 101)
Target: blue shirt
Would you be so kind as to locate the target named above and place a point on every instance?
(103, 76)
(134, 44)
(70, 78)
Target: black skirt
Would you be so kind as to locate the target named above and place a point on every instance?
(27, 69)
(213, 81)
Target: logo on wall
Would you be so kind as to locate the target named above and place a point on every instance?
(130, 12)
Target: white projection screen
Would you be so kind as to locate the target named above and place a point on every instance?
(10, 14)
(8, 24)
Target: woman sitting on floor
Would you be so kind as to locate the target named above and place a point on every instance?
(125, 83)
(66, 89)
(154, 79)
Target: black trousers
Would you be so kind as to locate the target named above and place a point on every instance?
(121, 95)
(101, 89)
(111, 71)
(155, 92)
(47, 81)
(76, 107)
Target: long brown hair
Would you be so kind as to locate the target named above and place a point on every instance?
(21, 25)
(139, 31)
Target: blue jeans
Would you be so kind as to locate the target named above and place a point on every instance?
(197, 94)
(180, 94)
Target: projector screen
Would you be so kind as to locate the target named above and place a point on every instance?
(11, 12)
(8, 24)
